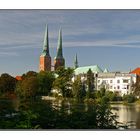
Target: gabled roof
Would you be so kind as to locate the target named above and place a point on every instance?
(84, 70)
(18, 78)
(136, 71)
(106, 70)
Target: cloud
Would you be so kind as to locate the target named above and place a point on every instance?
(24, 29)
(5, 54)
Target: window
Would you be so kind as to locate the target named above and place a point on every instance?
(125, 80)
(110, 81)
(127, 86)
(118, 81)
(110, 87)
(118, 87)
(98, 81)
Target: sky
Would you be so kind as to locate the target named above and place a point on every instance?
(108, 38)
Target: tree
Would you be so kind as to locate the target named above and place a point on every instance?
(45, 81)
(63, 81)
(7, 83)
(90, 83)
(136, 87)
(105, 118)
(27, 87)
(129, 98)
(78, 89)
(29, 74)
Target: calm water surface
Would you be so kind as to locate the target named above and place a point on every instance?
(128, 114)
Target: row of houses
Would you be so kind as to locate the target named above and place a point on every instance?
(120, 82)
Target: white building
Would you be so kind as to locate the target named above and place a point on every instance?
(112, 81)
(116, 82)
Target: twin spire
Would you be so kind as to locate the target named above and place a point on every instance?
(46, 43)
(59, 47)
(45, 59)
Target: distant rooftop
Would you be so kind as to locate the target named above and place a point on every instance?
(106, 70)
(136, 71)
(84, 70)
(114, 74)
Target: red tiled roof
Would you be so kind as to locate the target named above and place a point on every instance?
(136, 71)
(18, 78)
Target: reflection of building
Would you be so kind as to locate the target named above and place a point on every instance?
(45, 58)
(112, 81)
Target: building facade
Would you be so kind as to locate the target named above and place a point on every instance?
(116, 82)
(112, 81)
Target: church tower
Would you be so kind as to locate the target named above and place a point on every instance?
(59, 60)
(76, 62)
(45, 59)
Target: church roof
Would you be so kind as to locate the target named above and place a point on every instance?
(18, 78)
(59, 47)
(45, 51)
(106, 70)
(84, 70)
(136, 71)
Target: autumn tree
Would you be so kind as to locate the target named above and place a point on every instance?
(29, 74)
(7, 83)
(27, 87)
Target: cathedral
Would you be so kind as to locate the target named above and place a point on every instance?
(45, 58)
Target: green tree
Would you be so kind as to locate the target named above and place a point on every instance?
(45, 82)
(63, 81)
(105, 118)
(129, 98)
(90, 83)
(78, 89)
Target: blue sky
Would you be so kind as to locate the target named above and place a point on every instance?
(108, 38)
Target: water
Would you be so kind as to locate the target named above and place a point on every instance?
(128, 114)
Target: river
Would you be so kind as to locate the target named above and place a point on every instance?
(127, 114)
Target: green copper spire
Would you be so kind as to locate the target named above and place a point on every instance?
(45, 51)
(59, 47)
(76, 62)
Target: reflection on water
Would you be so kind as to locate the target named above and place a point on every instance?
(128, 114)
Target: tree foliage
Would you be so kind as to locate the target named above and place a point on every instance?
(45, 81)
(90, 83)
(78, 89)
(27, 87)
(63, 81)
(7, 83)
